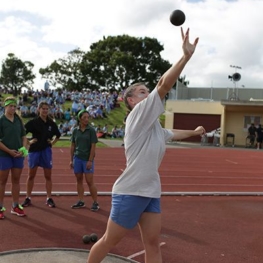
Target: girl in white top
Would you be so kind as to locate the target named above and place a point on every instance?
(136, 193)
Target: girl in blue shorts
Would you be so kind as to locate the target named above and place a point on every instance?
(13, 144)
(82, 153)
(136, 193)
(45, 134)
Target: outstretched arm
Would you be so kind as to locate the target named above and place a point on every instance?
(169, 78)
(183, 134)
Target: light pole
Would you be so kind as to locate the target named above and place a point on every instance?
(235, 77)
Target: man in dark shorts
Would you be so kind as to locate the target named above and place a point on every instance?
(259, 132)
(252, 134)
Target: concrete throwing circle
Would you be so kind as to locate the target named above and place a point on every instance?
(55, 255)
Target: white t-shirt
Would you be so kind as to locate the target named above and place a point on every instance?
(144, 149)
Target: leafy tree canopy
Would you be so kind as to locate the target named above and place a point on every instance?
(65, 72)
(16, 74)
(118, 61)
(112, 64)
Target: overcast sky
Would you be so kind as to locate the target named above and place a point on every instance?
(230, 33)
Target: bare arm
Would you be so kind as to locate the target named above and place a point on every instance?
(5, 149)
(91, 155)
(183, 134)
(169, 78)
(92, 152)
(72, 149)
(53, 142)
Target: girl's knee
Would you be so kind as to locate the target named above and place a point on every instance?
(151, 242)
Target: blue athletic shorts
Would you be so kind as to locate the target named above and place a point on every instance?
(11, 162)
(41, 158)
(126, 210)
(80, 166)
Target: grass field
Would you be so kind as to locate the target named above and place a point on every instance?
(66, 143)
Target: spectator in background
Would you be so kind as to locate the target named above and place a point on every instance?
(1, 110)
(120, 131)
(105, 131)
(114, 132)
(66, 127)
(67, 114)
(59, 112)
(252, 134)
(72, 121)
(33, 110)
(99, 112)
(24, 111)
(98, 128)
(259, 132)
(74, 107)
(46, 86)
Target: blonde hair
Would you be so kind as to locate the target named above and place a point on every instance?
(129, 92)
(8, 100)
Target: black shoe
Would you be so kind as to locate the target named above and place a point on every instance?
(79, 204)
(27, 202)
(50, 202)
(95, 207)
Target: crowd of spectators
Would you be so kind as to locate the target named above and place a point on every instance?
(116, 132)
(99, 104)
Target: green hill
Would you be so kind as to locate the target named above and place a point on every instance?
(115, 117)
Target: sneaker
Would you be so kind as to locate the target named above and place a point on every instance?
(18, 210)
(79, 204)
(27, 202)
(95, 207)
(2, 210)
(50, 202)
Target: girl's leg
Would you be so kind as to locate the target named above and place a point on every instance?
(30, 180)
(3, 181)
(80, 187)
(47, 174)
(15, 178)
(113, 235)
(92, 186)
(150, 228)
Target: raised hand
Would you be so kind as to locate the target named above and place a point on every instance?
(188, 48)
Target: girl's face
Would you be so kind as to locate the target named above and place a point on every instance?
(43, 110)
(84, 119)
(140, 93)
(10, 109)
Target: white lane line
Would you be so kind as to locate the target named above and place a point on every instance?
(61, 150)
(231, 161)
(142, 252)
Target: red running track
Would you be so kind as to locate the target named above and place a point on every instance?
(183, 171)
(195, 229)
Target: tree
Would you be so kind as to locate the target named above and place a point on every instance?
(16, 74)
(112, 64)
(65, 72)
(183, 80)
(118, 61)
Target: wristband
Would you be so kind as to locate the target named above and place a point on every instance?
(24, 151)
